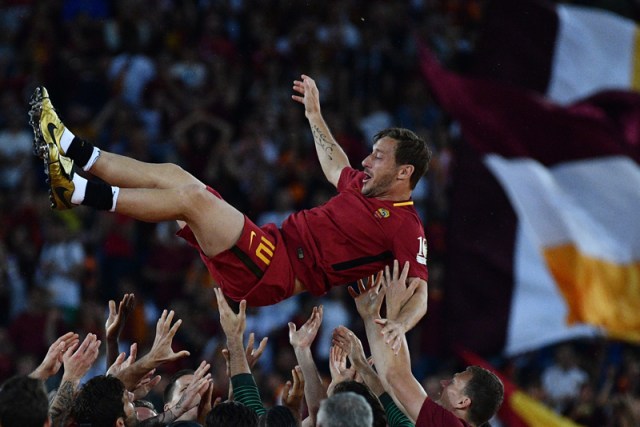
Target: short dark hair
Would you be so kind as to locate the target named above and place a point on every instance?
(231, 413)
(278, 416)
(410, 150)
(99, 402)
(171, 387)
(379, 415)
(486, 393)
(23, 402)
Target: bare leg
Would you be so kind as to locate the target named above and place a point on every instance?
(125, 172)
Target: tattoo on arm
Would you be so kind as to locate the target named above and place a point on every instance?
(322, 141)
(61, 405)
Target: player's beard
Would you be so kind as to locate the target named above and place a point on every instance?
(376, 187)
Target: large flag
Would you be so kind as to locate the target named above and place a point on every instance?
(544, 241)
(518, 408)
(567, 52)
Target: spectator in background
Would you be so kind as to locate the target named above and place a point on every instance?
(563, 380)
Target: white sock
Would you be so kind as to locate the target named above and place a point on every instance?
(94, 158)
(80, 185)
(115, 191)
(65, 139)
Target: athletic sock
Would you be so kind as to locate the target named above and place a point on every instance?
(80, 151)
(100, 196)
(80, 189)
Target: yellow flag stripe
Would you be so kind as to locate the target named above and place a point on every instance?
(635, 71)
(403, 203)
(535, 414)
(598, 292)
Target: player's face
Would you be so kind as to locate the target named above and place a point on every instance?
(453, 395)
(380, 168)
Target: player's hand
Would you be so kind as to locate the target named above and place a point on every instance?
(77, 363)
(123, 362)
(309, 95)
(351, 345)
(303, 337)
(369, 296)
(117, 317)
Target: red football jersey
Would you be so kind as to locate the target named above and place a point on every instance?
(352, 236)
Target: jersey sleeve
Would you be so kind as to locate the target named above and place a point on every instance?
(350, 179)
(410, 244)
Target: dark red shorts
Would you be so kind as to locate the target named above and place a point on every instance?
(256, 269)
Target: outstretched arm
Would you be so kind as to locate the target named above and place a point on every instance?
(331, 156)
(115, 323)
(394, 369)
(301, 340)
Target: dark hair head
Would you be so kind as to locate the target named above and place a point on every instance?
(231, 413)
(379, 416)
(171, 387)
(100, 402)
(23, 403)
(410, 150)
(278, 416)
(486, 393)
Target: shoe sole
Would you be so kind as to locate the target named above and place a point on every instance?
(40, 148)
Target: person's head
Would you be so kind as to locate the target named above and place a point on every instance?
(278, 416)
(379, 416)
(474, 394)
(231, 413)
(398, 160)
(144, 409)
(104, 402)
(344, 410)
(178, 383)
(23, 403)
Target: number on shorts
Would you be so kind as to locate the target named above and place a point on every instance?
(265, 249)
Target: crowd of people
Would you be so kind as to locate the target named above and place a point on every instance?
(206, 85)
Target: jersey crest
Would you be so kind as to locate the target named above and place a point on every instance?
(382, 213)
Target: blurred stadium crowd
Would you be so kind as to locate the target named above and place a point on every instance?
(207, 84)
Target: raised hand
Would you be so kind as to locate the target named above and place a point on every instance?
(397, 290)
(53, 359)
(293, 394)
(117, 317)
(145, 385)
(309, 94)
(122, 361)
(303, 337)
(232, 324)
(77, 363)
(350, 344)
(369, 296)
(253, 354)
(161, 350)
(338, 366)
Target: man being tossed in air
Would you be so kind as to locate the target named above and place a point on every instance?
(364, 227)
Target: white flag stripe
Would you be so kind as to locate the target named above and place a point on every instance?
(594, 51)
(592, 204)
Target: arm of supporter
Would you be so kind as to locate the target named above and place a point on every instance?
(77, 361)
(244, 386)
(197, 388)
(160, 352)
(115, 323)
(331, 156)
(395, 416)
(394, 369)
(406, 303)
(338, 368)
(53, 359)
(301, 341)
